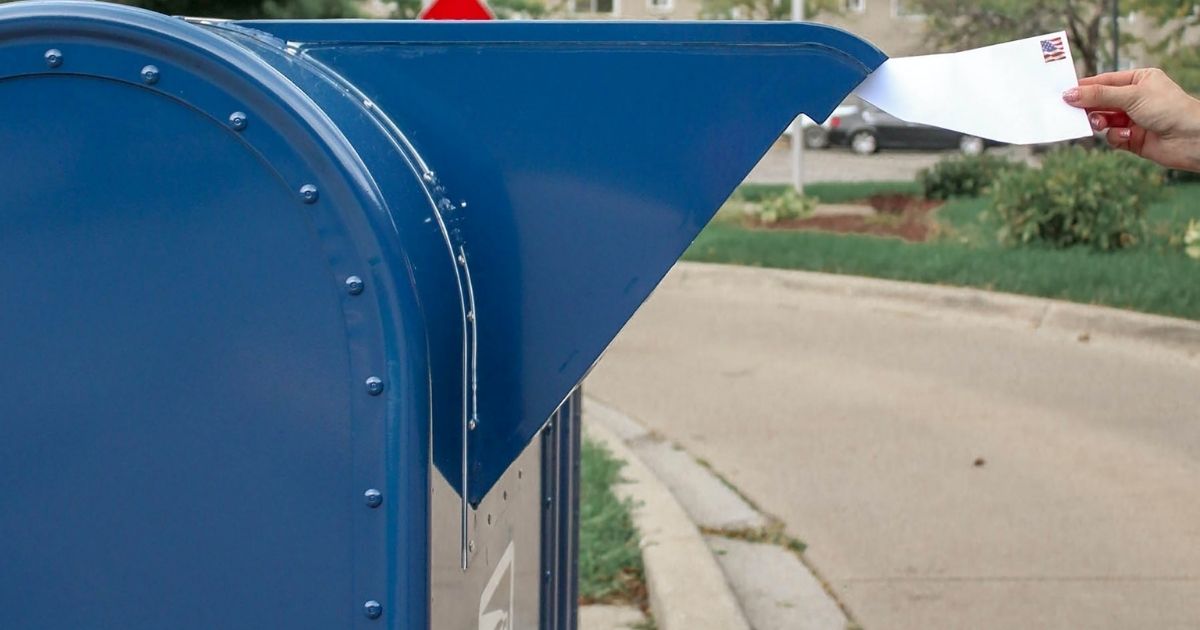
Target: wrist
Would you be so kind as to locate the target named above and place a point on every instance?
(1188, 134)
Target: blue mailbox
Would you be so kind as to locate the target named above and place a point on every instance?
(293, 313)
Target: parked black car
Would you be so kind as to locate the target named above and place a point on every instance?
(866, 129)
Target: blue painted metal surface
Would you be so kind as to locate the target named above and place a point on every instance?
(589, 155)
(189, 414)
(560, 521)
(187, 431)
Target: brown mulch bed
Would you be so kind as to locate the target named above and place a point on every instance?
(899, 215)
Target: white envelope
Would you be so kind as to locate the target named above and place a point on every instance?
(1009, 92)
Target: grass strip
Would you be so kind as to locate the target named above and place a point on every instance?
(1154, 277)
(610, 561)
(829, 192)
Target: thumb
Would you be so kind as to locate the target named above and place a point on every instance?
(1102, 97)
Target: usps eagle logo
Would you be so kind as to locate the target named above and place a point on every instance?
(496, 604)
(1053, 49)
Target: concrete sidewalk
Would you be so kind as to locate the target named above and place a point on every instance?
(605, 617)
(947, 470)
(687, 589)
(764, 570)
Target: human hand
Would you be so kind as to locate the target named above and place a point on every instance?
(1145, 112)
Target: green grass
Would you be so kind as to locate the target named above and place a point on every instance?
(1182, 204)
(610, 562)
(829, 192)
(1155, 277)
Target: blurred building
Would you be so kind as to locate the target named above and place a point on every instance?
(634, 9)
(889, 24)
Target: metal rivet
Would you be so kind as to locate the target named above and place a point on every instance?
(428, 176)
(150, 75)
(470, 316)
(309, 193)
(354, 285)
(374, 386)
(372, 609)
(54, 57)
(374, 498)
(471, 424)
(546, 575)
(471, 546)
(237, 120)
(462, 260)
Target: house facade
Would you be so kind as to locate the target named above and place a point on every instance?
(634, 9)
(890, 24)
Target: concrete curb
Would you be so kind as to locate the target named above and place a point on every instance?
(773, 586)
(1079, 321)
(687, 587)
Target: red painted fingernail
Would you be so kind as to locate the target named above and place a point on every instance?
(1071, 95)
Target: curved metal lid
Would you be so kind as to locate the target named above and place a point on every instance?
(589, 155)
(194, 386)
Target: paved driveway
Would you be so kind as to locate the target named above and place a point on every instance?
(860, 425)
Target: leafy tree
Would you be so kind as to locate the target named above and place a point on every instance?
(519, 9)
(1183, 65)
(320, 9)
(250, 9)
(405, 9)
(1176, 19)
(317, 9)
(958, 24)
(1175, 16)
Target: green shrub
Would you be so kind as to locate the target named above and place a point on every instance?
(1175, 176)
(785, 206)
(1077, 197)
(755, 193)
(964, 176)
(1191, 239)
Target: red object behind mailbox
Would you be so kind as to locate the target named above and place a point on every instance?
(457, 10)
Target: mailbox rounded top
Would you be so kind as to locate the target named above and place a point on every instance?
(189, 367)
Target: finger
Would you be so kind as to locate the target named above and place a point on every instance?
(1118, 119)
(1137, 139)
(1102, 97)
(1103, 119)
(1118, 137)
(1115, 79)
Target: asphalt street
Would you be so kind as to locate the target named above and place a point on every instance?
(946, 471)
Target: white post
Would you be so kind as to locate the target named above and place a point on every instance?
(797, 128)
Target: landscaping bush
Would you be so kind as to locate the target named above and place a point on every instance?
(964, 176)
(1191, 239)
(1175, 176)
(1077, 197)
(785, 206)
